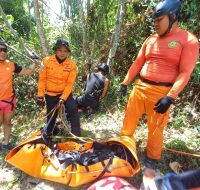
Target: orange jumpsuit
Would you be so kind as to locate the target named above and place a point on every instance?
(170, 59)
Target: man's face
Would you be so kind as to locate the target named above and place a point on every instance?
(62, 52)
(161, 24)
(3, 53)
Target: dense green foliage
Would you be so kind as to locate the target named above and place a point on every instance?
(100, 22)
(100, 19)
(21, 17)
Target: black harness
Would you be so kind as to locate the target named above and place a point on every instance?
(10, 102)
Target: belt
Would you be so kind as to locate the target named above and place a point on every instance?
(156, 83)
(55, 92)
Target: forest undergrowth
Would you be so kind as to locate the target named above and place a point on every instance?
(182, 133)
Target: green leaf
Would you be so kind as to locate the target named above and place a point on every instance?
(10, 18)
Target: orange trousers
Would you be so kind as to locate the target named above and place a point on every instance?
(142, 99)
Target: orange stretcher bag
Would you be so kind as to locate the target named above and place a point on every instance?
(73, 163)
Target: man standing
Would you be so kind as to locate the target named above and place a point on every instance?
(164, 63)
(7, 95)
(56, 80)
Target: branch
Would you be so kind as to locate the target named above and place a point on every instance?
(116, 33)
(29, 53)
(38, 62)
(40, 29)
(14, 32)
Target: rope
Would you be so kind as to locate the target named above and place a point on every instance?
(60, 114)
(181, 152)
(61, 111)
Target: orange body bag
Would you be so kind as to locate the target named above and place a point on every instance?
(58, 163)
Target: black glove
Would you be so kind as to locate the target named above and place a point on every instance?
(40, 101)
(163, 104)
(123, 90)
(34, 56)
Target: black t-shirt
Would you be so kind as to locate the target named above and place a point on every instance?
(94, 86)
(18, 68)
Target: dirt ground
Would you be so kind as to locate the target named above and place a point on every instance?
(104, 127)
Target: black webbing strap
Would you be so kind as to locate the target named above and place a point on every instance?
(105, 169)
(167, 84)
(10, 102)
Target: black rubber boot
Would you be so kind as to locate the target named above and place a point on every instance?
(149, 163)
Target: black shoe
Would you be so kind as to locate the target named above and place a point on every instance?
(149, 163)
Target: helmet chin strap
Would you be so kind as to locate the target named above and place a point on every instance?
(172, 19)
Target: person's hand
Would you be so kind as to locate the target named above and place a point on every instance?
(32, 66)
(59, 104)
(40, 101)
(123, 90)
(163, 104)
(34, 56)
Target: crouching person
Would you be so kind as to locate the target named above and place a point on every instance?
(96, 87)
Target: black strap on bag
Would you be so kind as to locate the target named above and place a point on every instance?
(106, 169)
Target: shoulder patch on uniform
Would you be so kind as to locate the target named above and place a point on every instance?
(173, 44)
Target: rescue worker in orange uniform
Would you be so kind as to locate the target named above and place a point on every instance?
(56, 80)
(164, 63)
(7, 95)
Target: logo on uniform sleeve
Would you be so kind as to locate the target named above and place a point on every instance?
(173, 44)
(7, 68)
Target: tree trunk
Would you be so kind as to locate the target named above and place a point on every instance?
(86, 50)
(116, 34)
(40, 29)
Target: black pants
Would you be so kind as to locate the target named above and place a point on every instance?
(71, 109)
(84, 102)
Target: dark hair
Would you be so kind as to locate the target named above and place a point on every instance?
(104, 68)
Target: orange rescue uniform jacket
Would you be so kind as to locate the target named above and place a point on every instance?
(171, 58)
(55, 78)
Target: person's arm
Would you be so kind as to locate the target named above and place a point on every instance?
(42, 80)
(136, 65)
(105, 89)
(28, 71)
(70, 82)
(188, 61)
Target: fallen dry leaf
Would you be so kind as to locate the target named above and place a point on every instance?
(175, 166)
